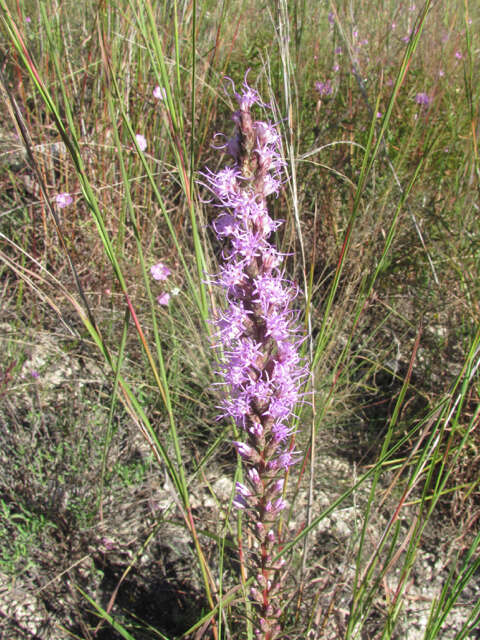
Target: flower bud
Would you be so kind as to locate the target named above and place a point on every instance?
(254, 477)
(256, 595)
(262, 581)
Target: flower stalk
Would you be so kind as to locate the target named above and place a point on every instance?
(261, 370)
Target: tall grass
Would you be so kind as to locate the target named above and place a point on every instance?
(381, 231)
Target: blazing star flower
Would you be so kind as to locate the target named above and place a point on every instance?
(324, 88)
(63, 200)
(141, 141)
(261, 373)
(159, 271)
(423, 99)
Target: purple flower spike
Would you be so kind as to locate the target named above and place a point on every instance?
(261, 372)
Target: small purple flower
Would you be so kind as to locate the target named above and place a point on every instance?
(331, 18)
(423, 99)
(278, 486)
(239, 502)
(63, 200)
(254, 477)
(141, 141)
(243, 449)
(159, 93)
(242, 490)
(159, 271)
(458, 55)
(108, 543)
(163, 299)
(324, 88)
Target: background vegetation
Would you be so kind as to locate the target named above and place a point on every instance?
(116, 479)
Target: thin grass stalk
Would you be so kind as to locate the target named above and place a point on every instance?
(291, 137)
(164, 387)
(136, 412)
(370, 155)
(364, 296)
(113, 401)
(107, 244)
(207, 109)
(368, 283)
(292, 544)
(71, 142)
(185, 173)
(183, 485)
(103, 615)
(472, 363)
(465, 569)
(468, 71)
(133, 408)
(73, 146)
(426, 461)
(325, 327)
(359, 607)
(28, 145)
(155, 51)
(193, 91)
